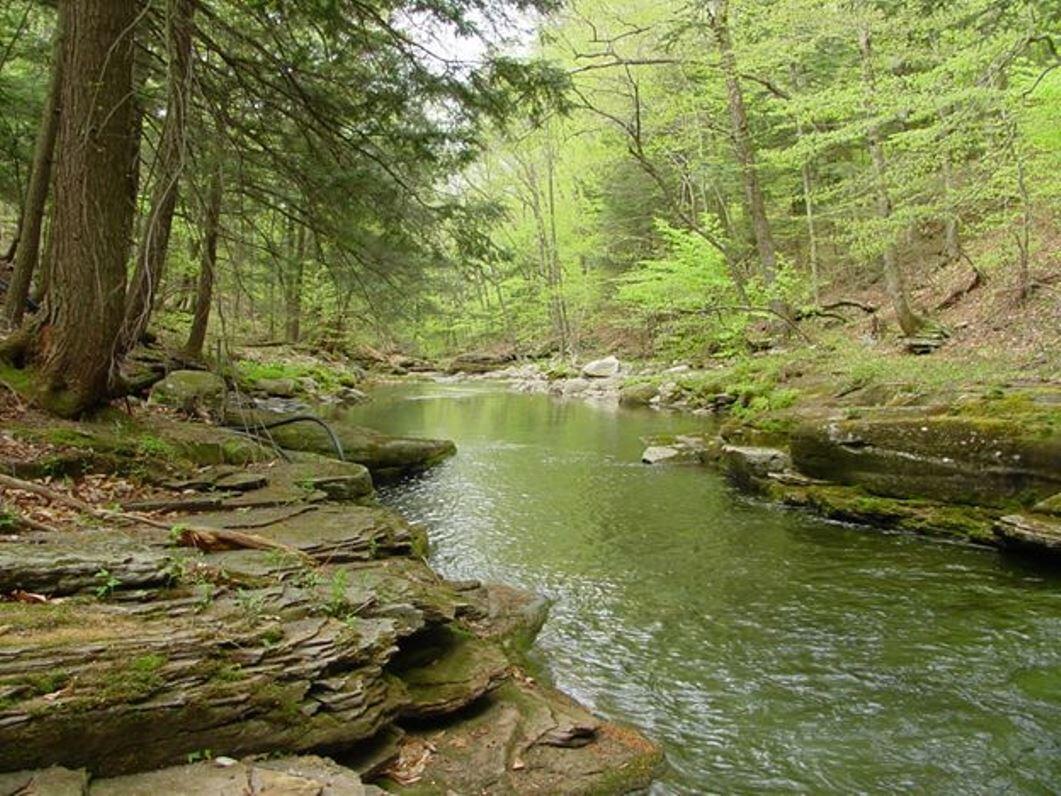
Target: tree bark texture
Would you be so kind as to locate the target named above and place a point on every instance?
(93, 214)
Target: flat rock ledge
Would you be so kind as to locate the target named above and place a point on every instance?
(385, 456)
(122, 653)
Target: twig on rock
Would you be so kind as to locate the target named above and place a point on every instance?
(189, 535)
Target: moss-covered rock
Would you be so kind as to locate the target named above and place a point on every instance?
(479, 362)
(640, 394)
(385, 456)
(444, 670)
(852, 504)
(960, 459)
(748, 467)
(281, 388)
(527, 739)
(1051, 505)
(1030, 533)
(189, 390)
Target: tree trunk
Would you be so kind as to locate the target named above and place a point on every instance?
(171, 158)
(742, 141)
(205, 292)
(293, 287)
(909, 321)
(807, 177)
(47, 257)
(27, 253)
(93, 215)
(556, 270)
(951, 241)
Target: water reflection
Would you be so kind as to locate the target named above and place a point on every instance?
(767, 650)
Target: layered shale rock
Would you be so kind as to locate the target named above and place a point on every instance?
(385, 456)
(954, 459)
(122, 651)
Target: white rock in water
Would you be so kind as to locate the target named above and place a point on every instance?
(602, 368)
(658, 453)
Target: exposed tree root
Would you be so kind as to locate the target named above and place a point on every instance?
(957, 295)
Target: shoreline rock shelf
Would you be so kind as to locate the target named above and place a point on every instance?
(129, 654)
(977, 467)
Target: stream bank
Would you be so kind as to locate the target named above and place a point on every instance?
(766, 650)
(958, 461)
(277, 610)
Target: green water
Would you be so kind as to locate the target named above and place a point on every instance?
(766, 650)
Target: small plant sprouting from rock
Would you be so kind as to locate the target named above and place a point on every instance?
(272, 636)
(106, 583)
(205, 599)
(199, 755)
(176, 532)
(150, 445)
(338, 605)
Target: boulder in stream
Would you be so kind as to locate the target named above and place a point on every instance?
(1029, 533)
(747, 466)
(479, 362)
(659, 453)
(976, 460)
(638, 394)
(280, 388)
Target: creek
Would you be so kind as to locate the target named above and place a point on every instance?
(767, 650)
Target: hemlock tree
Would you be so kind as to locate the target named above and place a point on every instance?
(338, 128)
(74, 340)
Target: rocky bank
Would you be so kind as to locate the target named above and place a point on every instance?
(279, 633)
(974, 465)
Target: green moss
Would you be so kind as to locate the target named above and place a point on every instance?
(851, 504)
(273, 636)
(229, 673)
(150, 445)
(25, 618)
(120, 682)
(284, 702)
(19, 379)
(328, 378)
(33, 686)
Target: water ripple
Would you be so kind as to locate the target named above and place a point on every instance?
(768, 651)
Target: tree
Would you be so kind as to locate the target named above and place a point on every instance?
(717, 12)
(909, 321)
(170, 162)
(28, 241)
(75, 340)
(204, 294)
